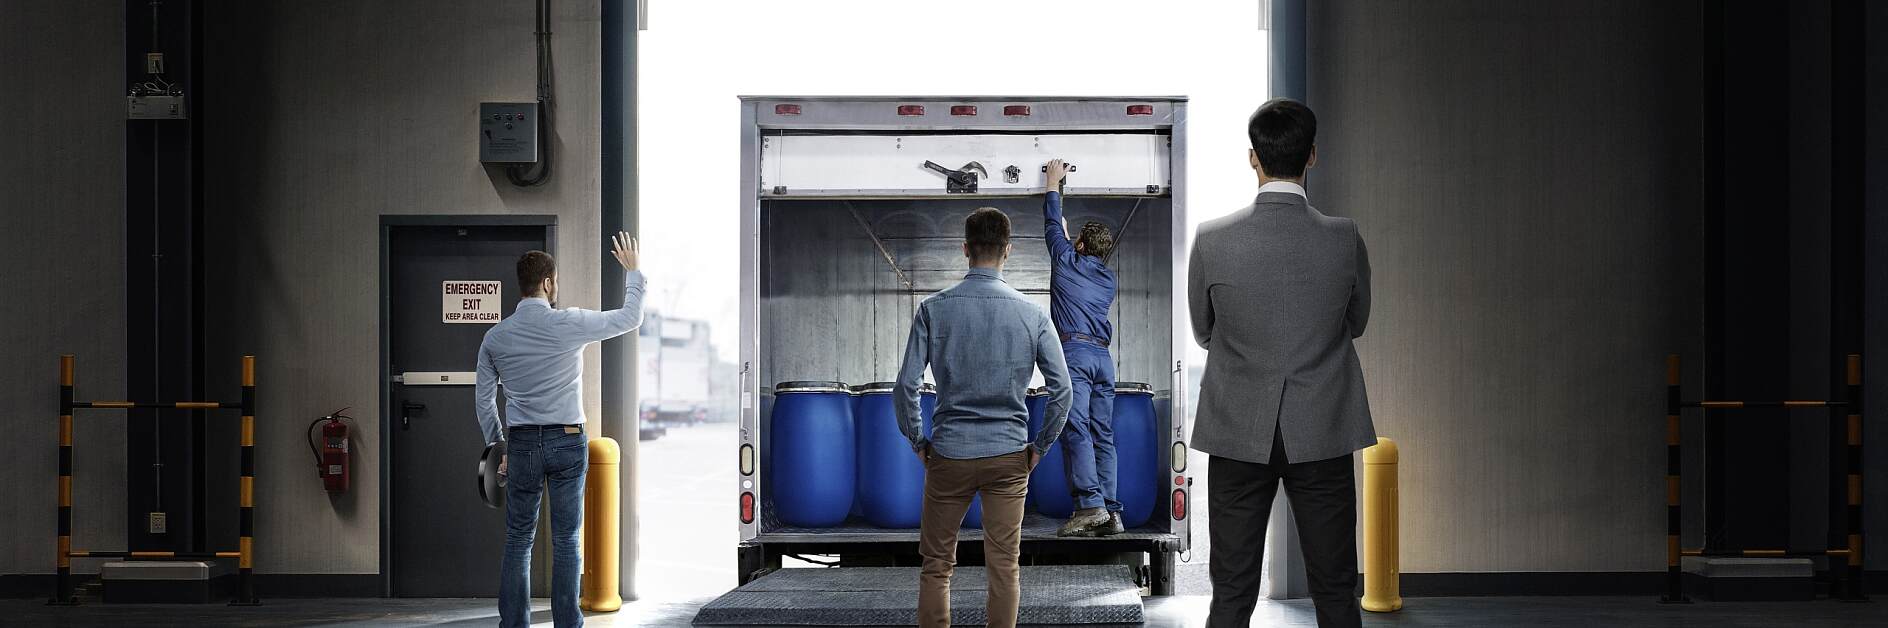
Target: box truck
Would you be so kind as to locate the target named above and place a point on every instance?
(852, 213)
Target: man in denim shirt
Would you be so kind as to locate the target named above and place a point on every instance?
(1081, 290)
(537, 354)
(981, 339)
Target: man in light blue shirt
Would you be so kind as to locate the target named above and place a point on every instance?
(982, 341)
(537, 354)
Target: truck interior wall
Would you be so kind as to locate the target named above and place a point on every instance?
(833, 308)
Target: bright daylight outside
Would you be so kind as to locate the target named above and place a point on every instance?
(695, 63)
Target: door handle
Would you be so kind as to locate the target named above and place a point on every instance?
(407, 410)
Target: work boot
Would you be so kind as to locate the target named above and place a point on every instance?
(1112, 527)
(1084, 522)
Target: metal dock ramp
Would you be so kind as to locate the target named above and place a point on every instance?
(888, 596)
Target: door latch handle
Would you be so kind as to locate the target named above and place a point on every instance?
(407, 410)
(962, 180)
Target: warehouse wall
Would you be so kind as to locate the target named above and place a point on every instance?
(1875, 256)
(322, 117)
(1526, 176)
(62, 226)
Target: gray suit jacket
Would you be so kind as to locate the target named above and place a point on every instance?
(1277, 292)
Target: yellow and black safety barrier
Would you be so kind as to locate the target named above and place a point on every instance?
(1850, 585)
(245, 585)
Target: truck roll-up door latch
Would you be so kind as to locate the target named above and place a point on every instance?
(961, 180)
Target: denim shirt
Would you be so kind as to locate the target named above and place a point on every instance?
(981, 339)
(537, 354)
(1081, 287)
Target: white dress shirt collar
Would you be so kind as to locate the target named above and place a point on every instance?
(1284, 186)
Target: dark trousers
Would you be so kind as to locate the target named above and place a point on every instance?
(1088, 457)
(1323, 496)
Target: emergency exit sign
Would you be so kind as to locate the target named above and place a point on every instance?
(470, 301)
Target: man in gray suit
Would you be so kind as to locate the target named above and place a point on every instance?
(1277, 291)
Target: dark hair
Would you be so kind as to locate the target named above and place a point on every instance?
(1096, 239)
(987, 231)
(533, 268)
(1282, 133)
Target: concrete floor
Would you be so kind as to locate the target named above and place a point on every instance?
(689, 463)
(1172, 612)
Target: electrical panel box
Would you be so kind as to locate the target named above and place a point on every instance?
(508, 132)
(155, 108)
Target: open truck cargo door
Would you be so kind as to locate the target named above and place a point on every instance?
(845, 228)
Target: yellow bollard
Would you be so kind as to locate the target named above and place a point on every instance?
(1382, 592)
(602, 530)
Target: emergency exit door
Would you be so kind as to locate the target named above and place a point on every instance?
(446, 281)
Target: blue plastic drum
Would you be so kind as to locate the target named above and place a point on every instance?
(1138, 478)
(927, 405)
(858, 421)
(814, 453)
(1049, 483)
(891, 477)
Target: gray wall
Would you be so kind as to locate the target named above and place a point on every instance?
(1526, 176)
(62, 227)
(1875, 254)
(323, 117)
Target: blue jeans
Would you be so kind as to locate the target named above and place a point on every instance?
(536, 456)
(1088, 440)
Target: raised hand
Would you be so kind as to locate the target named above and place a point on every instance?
(625, 248)
(1052, 179)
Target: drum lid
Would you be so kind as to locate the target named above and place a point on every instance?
(1133, 388)
(810, 387)
(874, 387)
(491, 482)
(1041, 391)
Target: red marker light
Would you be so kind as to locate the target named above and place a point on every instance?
(963, 110)
(1179, 504)
(1016, 110)
(786, 110)
(747, 508)
(911, 110)
(1179, 480)
(1140, 110)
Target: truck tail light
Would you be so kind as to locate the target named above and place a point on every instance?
(747, 460)
(786, 110)
(911, 110)
(963, 110)
(1140, 110)
(747, 508)
(1179, 504)
(1016, 110)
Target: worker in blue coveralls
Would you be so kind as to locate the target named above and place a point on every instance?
(1081, 289)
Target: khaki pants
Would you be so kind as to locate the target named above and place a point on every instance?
(949, 485)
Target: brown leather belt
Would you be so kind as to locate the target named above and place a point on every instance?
(1067, 337)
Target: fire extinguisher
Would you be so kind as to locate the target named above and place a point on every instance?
(331, 451)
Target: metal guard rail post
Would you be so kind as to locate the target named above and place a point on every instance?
(244, 554)
(1850, 430)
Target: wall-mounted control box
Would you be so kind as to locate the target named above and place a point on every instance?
(508, 132)
(165, 107)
